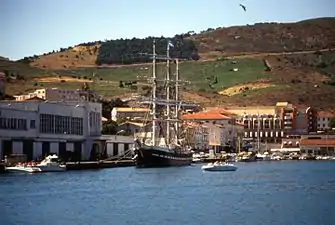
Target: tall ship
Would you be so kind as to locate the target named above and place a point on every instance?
(165, 145)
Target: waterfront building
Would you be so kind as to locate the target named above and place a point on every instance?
(273, 123)
(215, 129)
(38, 128)
(197, 135)
(322, 146)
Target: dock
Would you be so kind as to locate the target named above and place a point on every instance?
(103, 164)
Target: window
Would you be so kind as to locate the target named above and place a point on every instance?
(32, 124)
(61, 124)
(13, 124)
(47, 123)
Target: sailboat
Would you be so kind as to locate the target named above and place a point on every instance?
(169, 150)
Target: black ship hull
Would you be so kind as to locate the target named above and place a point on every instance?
(153, 156)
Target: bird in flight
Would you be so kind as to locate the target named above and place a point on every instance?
(243, 7)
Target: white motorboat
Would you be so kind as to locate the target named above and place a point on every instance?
(264, 157)
(51, 164)
(22, 169)
(219, 167)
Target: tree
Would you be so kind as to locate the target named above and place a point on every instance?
(109, 127)
(332, 122)
(129, 51)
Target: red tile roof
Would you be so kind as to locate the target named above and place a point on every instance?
(209, 115)
(316, 142)
(326, 114)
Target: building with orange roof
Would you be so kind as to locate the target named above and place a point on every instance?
(221, 125)
(322, 146)
(323, 120)
(197, 135)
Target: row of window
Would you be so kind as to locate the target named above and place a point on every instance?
(48, 124)
(53, 124)
(13, 124)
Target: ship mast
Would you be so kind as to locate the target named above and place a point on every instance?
(168, 113)
(155, 101)
(154, 93)
(177, 99)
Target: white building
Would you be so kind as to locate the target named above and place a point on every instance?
(37, 128)
(55, 94)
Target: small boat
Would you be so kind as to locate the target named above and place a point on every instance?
(22, 169)
(51, 164)
(219, 167)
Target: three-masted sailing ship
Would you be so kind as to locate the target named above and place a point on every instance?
(165, 146)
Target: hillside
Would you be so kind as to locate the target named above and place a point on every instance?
(305, 35)
(314, 34)
(302, 78)
(246, 65)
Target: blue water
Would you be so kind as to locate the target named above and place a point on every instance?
(257, 193)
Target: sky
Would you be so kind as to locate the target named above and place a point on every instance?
(30, 27)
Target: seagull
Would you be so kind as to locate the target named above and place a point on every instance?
(243, 7)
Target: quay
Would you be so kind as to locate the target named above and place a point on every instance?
(103, 164)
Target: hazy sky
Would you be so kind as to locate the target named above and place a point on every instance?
(31, 27)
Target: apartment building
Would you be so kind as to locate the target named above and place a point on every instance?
(268, 123)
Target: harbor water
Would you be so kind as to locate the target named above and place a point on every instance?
(257, 193)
